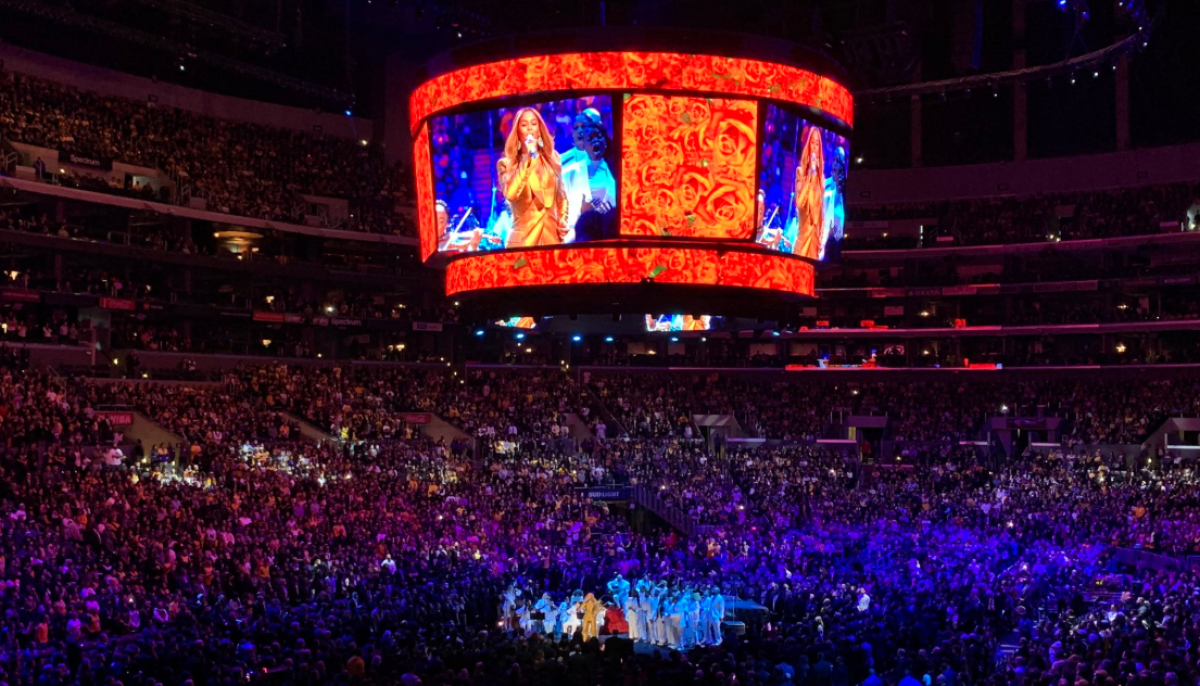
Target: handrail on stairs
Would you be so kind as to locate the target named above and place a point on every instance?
(647, 498)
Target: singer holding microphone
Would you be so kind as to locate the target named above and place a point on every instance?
(531, 175)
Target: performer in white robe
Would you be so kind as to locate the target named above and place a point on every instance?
(645, 613)
(653, 602)
(675, 621)
(508, 608)
(601, 619)
(547, 608)
(524, 621)
(631, 617)
(573, 621)
(691, 619)
(566, 615)
(703, 623)
(716, 616)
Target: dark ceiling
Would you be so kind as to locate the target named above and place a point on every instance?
(330, 53)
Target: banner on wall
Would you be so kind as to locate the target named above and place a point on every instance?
(274, 317)
(427, 326)
(416, 418)
(116, 418)
(82, 161)
(337, 321)
(123, 304)
(20, 295)
(608, 493)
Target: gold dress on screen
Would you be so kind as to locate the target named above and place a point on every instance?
(810, 196)
(539, 210)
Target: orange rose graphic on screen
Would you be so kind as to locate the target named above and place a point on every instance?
(594, 265)
(688, 167)
(630, 70)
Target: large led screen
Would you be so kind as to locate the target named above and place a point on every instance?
(800, 203)
(688, 167)
(575, 265)
(519, 177)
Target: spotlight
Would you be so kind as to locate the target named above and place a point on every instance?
(349, 113)
(608, 339)
(674, 339)
(520, 337)
(478, 332)
(577, 338)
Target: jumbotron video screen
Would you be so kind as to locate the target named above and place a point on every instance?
(620, 168)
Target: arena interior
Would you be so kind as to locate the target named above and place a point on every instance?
(600, 343)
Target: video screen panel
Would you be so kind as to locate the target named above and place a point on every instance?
(679, 322)
(688, 166)
(517, 323)
(513, 177)
(800, 203)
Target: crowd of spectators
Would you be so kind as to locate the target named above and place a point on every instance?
(367, 401)
(238, 168)
(38, 407)
(1044, 217)
(647, 405)
(660, 404)
(383, 561)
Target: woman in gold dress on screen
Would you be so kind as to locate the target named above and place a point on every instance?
(810, 195)
(531, 176)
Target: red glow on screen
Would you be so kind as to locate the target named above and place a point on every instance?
(688, 167)
(632, 71)
(627, 265)
(426, 224)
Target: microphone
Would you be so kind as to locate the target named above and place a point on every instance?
(531, 147)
